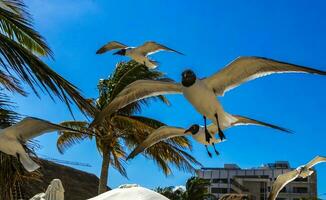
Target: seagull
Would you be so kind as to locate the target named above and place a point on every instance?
(201, 93)
(11, 138)
(139, 54)
(301, 172)
(197, 132)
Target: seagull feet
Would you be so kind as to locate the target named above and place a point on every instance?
(216, 152)
(221, 134)
(209, 153)
(207, 136)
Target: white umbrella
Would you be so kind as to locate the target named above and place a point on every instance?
(130, 192)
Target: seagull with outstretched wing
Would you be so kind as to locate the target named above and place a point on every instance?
(201, 93)
(11, 138)
(301, 172)
(139, 54)
(197, 132)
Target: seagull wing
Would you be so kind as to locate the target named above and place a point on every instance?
(135, 91)
(160, 134)
(31, 127)
(315, 161)
(152, 47)
(281, 181)
(111, 46)
(244, 69)
(247, 121)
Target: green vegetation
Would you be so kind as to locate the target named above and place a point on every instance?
(196, 189)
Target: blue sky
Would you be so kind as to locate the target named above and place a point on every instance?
(211, 34)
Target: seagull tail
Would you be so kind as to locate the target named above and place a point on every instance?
(247, 121)
(28, 163)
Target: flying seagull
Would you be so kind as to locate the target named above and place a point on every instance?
(139, 54)
(300, 172)
(11, 138)
(201, 93)
(197, 132)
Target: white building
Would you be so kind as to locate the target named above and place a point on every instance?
(256, 182)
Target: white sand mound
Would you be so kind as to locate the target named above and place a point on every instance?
(130, 192)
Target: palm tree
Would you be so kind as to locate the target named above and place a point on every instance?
(20, 48)
(124, 130)
(196, 189)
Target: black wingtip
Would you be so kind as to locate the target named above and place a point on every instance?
(130, 157)
(99, 52)
(306, 69)
(181, 53)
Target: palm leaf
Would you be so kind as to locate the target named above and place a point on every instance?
(33, 71)
(19, 28)
(10, 83)
(8, 117)
(124, 74)
(118, 158)
(67, 138)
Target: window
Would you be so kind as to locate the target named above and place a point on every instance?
(220, 180)
(219, 190)
(300, 190)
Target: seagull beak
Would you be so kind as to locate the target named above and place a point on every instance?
(117, 53)
(188, 131)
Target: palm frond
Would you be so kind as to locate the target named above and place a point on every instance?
(11, 84)
(19, 27)
(130, 125)
(165, 154)
(196, 189)
(15, 6)
(30, 69)
(124, 74)
(118, 158)
(67, 138)
(8, 117)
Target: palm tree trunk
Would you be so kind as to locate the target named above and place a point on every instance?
(104, 171)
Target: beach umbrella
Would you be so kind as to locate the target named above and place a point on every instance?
(130, 192)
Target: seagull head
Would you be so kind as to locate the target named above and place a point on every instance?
(193, 129)
(188, 78)
(121, 52)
